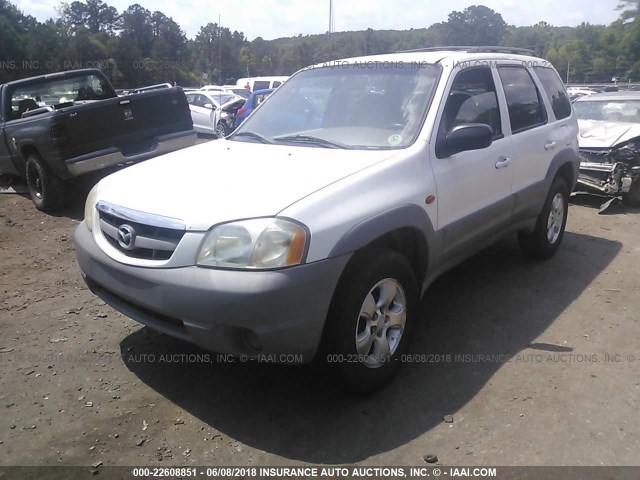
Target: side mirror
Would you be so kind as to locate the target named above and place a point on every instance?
(461, 138)
(210, 106)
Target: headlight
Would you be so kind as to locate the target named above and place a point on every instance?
(90, 207)
(261, 243)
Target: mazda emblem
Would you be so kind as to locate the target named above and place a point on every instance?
(126, 237)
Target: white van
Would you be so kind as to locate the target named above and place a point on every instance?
(260, 83)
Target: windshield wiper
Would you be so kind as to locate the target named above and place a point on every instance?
(254, 135)
(311, 140)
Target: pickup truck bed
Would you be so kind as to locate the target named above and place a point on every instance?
(51, 137)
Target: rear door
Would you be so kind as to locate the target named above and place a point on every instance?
(191, 99)
(200, 114)
(564, 127)
(532, 133)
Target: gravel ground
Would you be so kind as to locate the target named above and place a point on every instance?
(517, 363)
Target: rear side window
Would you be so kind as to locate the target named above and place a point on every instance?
(52, 92)
(526, 109)
(260, 85)
(555, 91)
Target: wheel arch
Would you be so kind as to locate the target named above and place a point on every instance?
(26, 150)
(565, 164)
(406, 230)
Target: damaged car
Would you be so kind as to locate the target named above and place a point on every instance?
(609, 142)
(214, 113)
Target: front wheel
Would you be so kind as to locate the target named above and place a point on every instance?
(545, 239)
(221, 130)
(45, 188)
(371, 319)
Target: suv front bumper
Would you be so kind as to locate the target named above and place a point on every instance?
(225, 311)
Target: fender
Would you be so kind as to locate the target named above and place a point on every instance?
(405, 216)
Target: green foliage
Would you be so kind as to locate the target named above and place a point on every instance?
(475, 25)
(139, 47)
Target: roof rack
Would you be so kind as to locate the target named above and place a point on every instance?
(474, 49)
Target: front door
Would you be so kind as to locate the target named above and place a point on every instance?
(473, 187)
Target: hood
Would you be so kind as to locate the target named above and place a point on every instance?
(226, 180)
(599, 134)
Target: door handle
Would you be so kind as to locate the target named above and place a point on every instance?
(550, 146)
(503, 162)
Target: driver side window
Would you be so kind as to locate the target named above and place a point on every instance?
(472, 99)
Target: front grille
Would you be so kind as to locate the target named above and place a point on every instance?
(139, 235)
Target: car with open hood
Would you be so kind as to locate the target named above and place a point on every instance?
(214, 112)
(610, 144)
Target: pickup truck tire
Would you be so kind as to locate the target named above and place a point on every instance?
(45, 189)
(543, 242)
(632, 197)
(371, 319)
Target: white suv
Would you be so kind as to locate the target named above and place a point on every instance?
(315, 228)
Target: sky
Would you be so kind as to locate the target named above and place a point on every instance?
(271, 19)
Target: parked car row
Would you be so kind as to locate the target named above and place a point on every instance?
(219, 109)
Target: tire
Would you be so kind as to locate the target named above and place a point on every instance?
(632, 197)
(45, 188)
(544, 241)
(364, 353)
(221, 130)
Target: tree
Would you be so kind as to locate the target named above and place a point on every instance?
(169, 41)
(630, 9)
(15, 28)
(94, 15)
(475, 25)
(136, 29)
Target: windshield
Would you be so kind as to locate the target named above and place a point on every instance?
(379, 105)
(610, 111)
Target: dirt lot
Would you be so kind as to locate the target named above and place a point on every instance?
(81, 384)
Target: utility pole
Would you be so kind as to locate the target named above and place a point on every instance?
(331, 23)
(568, 63)
(219, 50)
